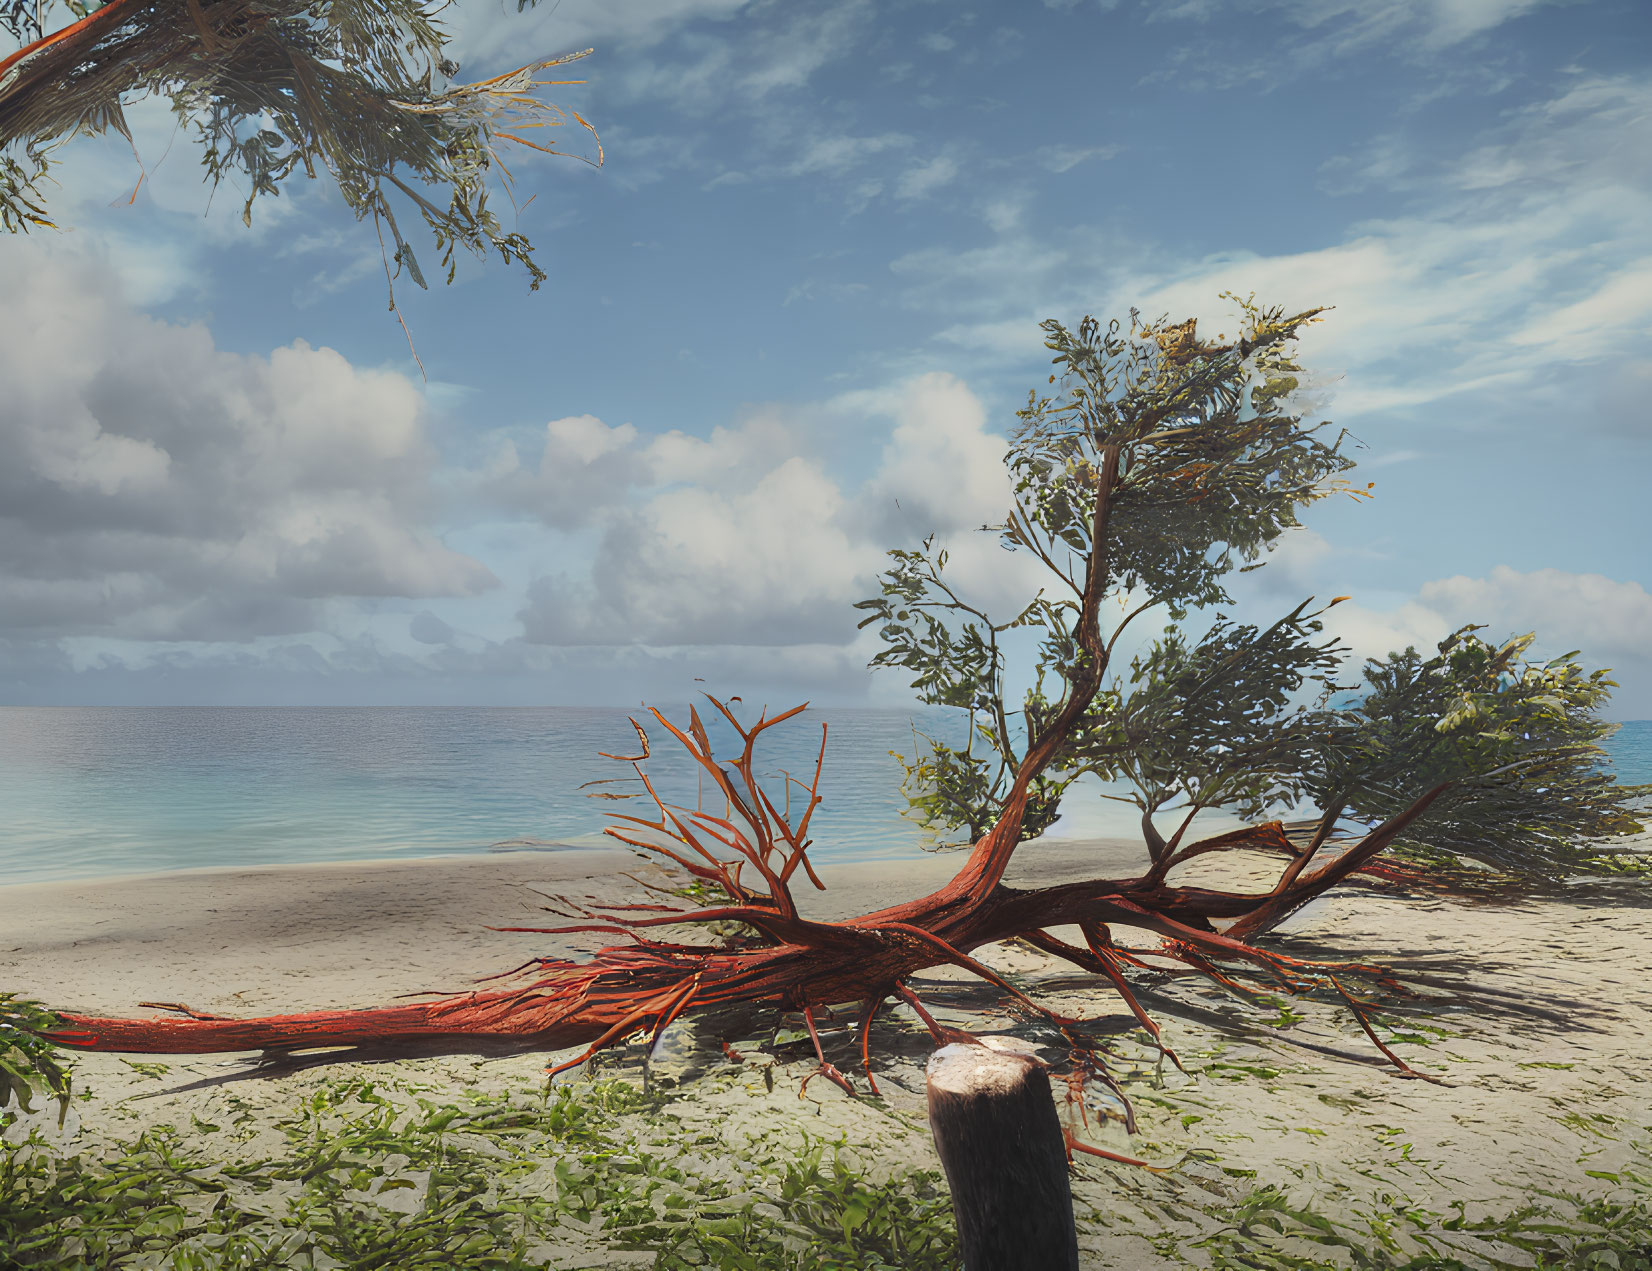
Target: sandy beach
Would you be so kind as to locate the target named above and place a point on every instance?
(310, 937)
(1535, 1017)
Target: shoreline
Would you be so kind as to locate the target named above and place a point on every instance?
(1536, 1055)
(293, 937)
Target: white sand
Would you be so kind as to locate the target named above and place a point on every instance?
(282, 938)
(310, 937)
(1534, 1101)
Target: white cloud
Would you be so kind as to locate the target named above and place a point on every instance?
(1017, 272)
(1607, 619)
(766, 565)
(941, 463)
(1591, 329)
(1540, 260)
(730, 459)
(1384, 163)
(703, 56)
(584, 465)
(1604, 617)
(756, 544)
(1005, 213)
(923, 179)
(812, 37)
(1334, 29)
(1007, 339)
(145, 213)
(587, 468)
(1058, 158)
(835, 154)
(1294, 565)
(154, 487)
(1449, 22)
(814, 288)
(1476, 293)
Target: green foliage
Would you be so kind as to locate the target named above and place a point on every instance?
(379, 1174)
(825, 1217)
(1213, 464)
(1519, 741)
(954, 651)
(20, 175)
(29, 1067)
(372, 1176)
(354, 88)
(1211, 721)
(1212, 468)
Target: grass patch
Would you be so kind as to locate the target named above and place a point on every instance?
(1266, 1232)
(417, 1170)
(373, 1175)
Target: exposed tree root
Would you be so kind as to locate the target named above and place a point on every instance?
(793, 963)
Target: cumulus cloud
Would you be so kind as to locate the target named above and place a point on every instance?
(587, 468)
(1608, 620)
(155, 487)
(145, 202)
(584, 465)
(768, 565)
(941, 465)
(1294, 566)
(743, 541)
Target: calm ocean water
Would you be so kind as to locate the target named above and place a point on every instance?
(94, 791)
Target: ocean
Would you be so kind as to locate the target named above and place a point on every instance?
(91, 791)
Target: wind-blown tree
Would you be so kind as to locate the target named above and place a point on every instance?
(363, 90)
(1158, 465)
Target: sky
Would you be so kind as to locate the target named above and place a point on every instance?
(787, 325)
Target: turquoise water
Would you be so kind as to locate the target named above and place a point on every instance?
(91, 791)
(1631, 751)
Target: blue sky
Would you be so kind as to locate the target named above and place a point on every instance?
(786, 326)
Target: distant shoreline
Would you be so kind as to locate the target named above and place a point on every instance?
(241, 940)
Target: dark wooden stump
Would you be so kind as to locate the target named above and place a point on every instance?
(1005, 1157)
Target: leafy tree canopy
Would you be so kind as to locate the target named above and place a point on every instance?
(362, 90)
(1213, 463)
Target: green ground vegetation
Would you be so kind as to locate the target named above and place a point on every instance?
(377, 1173)
(390, 1168)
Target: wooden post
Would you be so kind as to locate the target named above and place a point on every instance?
(1005, 1157)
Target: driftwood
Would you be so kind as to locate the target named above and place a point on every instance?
(746, 864)
(1005, 1157)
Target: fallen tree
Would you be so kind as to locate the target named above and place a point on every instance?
(1159, 464)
